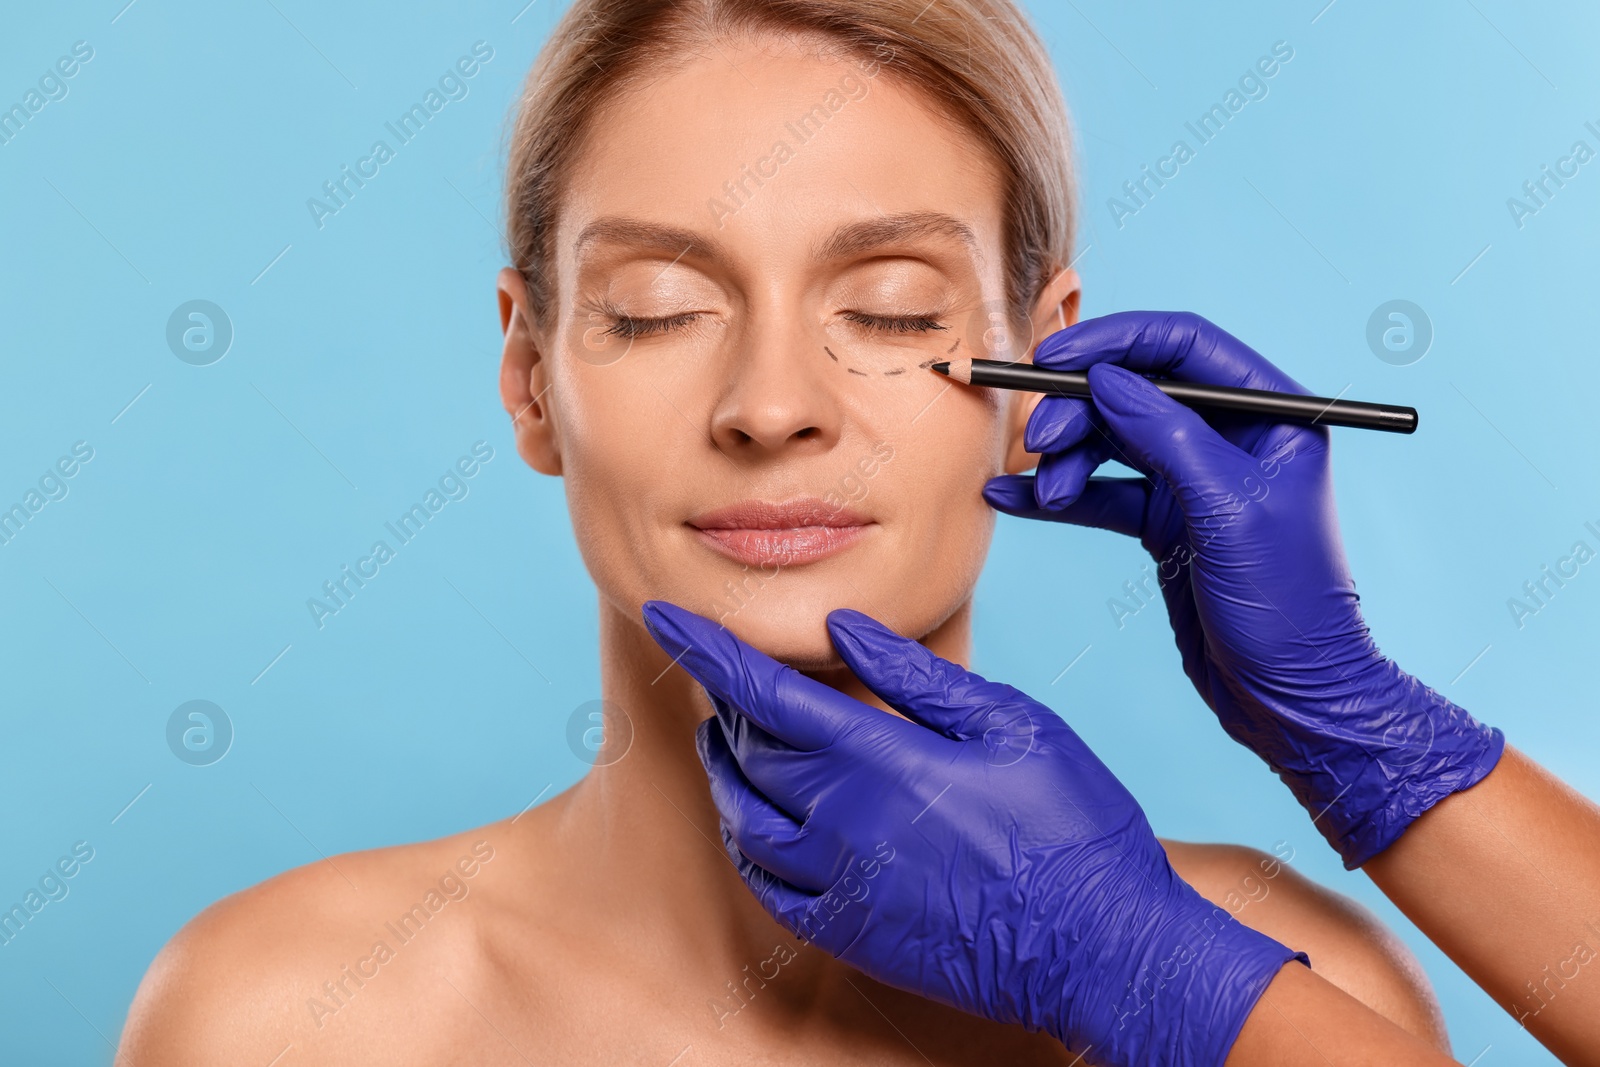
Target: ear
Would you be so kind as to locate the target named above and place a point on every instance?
(1055, 310)
(525, 379)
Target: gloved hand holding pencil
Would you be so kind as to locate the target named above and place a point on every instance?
(1239, 515)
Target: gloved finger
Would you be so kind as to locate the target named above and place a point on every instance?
(789, 905)
(1175, 344)
(761, 830)
(1204, 471)
(920, 685)
(1062, 475)
(1115, 504)
(797, 710)
(792, 779)
(1059, 422)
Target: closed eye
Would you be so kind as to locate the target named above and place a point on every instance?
(895, 323)
(631, 327)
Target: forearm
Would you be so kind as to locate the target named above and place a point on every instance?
(1302, 1018)
(1505, 878)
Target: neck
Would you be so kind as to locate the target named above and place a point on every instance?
(644, 812)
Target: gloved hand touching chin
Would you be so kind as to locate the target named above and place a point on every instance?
(1239, 516)
(978, 854)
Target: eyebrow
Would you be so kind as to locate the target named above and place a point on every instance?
(851, 239)
(908, 227)
(672, 240)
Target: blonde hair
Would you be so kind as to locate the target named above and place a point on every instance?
(980, 60)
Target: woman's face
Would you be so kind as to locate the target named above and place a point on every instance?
(757, 257)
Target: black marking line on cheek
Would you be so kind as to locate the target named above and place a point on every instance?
(925, 364)
(852, 370)
(890, 373)
(953, 347)
(831, 356)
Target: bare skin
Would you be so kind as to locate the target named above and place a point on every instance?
(1303, 1018)
(605, 929)
(606, 925)
(1504, 877)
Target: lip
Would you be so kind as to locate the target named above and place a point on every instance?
(761, 532)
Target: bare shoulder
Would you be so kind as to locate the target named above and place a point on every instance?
(316, 959)
(1347, 944)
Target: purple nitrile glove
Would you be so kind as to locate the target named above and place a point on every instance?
(979, 854)
(1238, 512)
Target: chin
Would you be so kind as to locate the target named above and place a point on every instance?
(788, 620)
(790, 624)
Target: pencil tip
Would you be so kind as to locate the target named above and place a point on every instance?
(941, 367)
(960, 370)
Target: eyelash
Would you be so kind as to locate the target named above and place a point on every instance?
(631, 327)
(895, 323)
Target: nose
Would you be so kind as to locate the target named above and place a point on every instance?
(777, 399)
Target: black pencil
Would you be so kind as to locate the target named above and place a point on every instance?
(1282, 407)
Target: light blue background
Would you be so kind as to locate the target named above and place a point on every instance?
(364, 364)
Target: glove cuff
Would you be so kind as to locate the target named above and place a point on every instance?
(1247, 962)
(1413, 748)
(1193, 987)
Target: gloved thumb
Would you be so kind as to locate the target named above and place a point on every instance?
(927, 689)
(1164, 438)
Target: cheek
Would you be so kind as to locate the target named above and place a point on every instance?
(621, 443)
(948, 455)
(959, 441)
